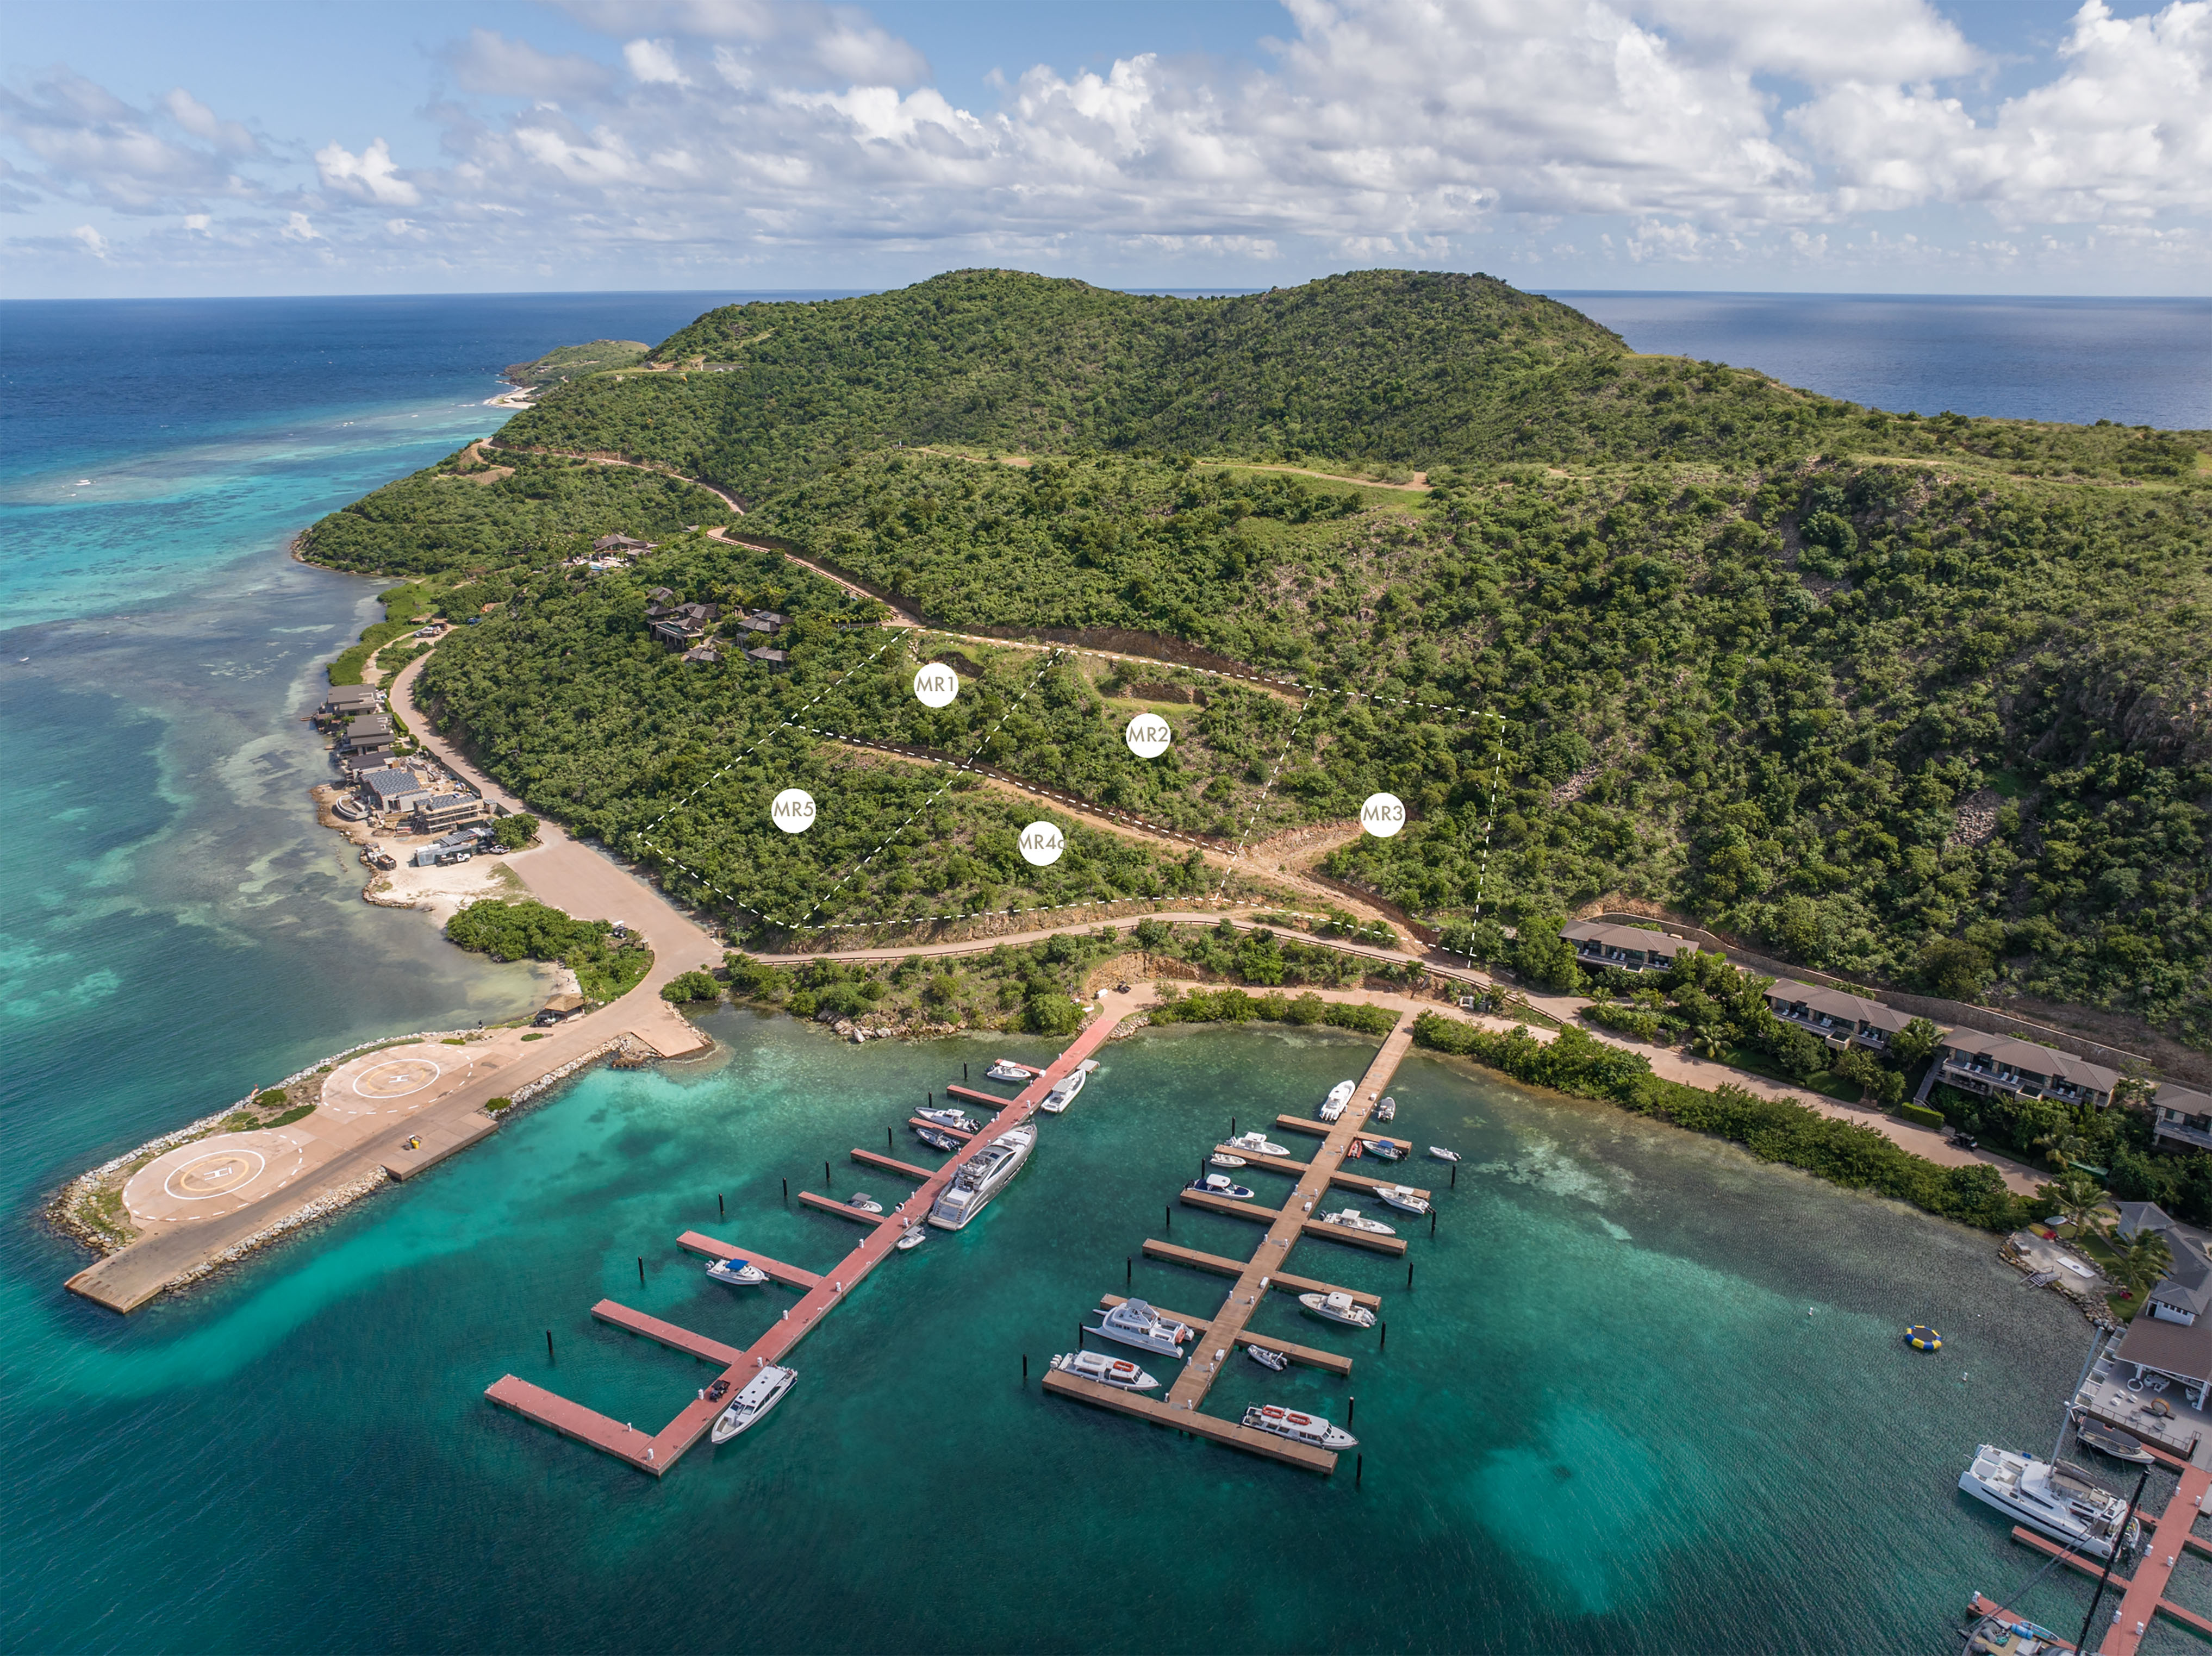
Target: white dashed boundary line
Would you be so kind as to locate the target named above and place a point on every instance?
(1275, 770)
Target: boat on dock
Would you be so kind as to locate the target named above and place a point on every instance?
(2059, 1502)
(738, 1273)
(936, 1140)
(912, 1237)
(864, 1202)
(958, 1120)
(1063, 1091)
(1107, 1371)
(753, 1399)
(1310, 1429)
(1402, 1196)
(1223, 1159)
(1006, 1070)
(1438, 1153)
(1220, 1183)
(1257, 1144)
(1387, 1110)
(981, 1177)
(1353, 1219)
(1338, 1307)
(1332, 1107)
(2111, 1440)
(1274, 1361)
(1383, 1149)
(1135, 1323)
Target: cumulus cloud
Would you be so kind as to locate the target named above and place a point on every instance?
(91, 240)
(230, 137)
(491, 65)
(297, 228)
(88, 144)
(369, 176)
(653, 62)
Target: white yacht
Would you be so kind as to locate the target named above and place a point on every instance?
(1387, 1110)
(1338, 1307)
(1220, 1183)
(1310, 1429)
(738, 1273)
(1107, 1371)
(1402, 1196)
(2057, 1501)
(958, 1120)
(981, 1177)
(1006, 1070)
(755, 1398)
(1133, 1323)
(1257, 1144)
(1332, 1107)
(1063, 1091)
(1223, 1159)
(1438, 1153)
(1353, 1219)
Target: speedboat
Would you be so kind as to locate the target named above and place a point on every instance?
(1223, 1159)
(1338, 1307)
(1402, 1198)
(981, 1177)
(1107, 1371)
(956, 1120)
(911, 1237)
(1310, 1430)
(1220, 1183)
(2111, 1440)
(2059, 1502)
(755, 1398)
(1387, 1110)
(738, 1273)
(1267, 1359)
(1384, 1149)
(1438, 1153)
(1006, 1070)
(1133, 1323)
(1257, 1144)
(936, 1140)
(1062, 1093)
(864, 1202)
(1332, 1107)
(1353, 1219)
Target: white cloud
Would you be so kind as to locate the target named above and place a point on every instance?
(653, 63)
(197, 222)
(93, 241)
(369, 176)
(230, 137)
(86, 144)
(490, 64)
(297, 228)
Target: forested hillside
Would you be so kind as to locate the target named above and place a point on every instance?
(1921, 699)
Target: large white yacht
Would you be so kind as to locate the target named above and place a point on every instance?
(2061, 1502)
(1107, 1371)
(1133, 1323)
(1298, 1428)
(1332, 1107)
(981, 1177)
(755, 1398)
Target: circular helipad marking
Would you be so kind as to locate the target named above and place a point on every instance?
(1041, 843)
(793, 810)
(1147, 735)
(218, 1173)
(1382, 815)
(935, 685)
(397, 1077)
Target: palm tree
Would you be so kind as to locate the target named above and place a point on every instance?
(2080, 1197)
(1710, 1040)
(2143, 1262)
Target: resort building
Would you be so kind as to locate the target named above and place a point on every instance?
(1600, 942)
(2181, 1118)
(352, 701)
(706, 655)
(393, 788)
(2176, 1351)
(622, 545)
(774, 660)
(676, 631)
(435, 813)
(1994, 1065)
(367, 737)
(1839, 1018)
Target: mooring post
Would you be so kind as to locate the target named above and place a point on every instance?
(786, 1193)
(1129, 1271)
(548, 1345)
(641, 1270)
(1359, 1470)
(1350, 1405)
(887, 1138)
(1383, 1340)
(825, 1173)
(964, 1073)
(1454, 1183)
(1232, 1126)
(1409, 1273)
(721, 1208)
(1025, 1368)
(1432, 1222)
(1079, 1336)
(1171, 1211)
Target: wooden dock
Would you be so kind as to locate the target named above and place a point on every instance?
(657, 1453)
(877, 1159)
(938, 1127)
(1394, 1246)
(1309, 1356)
(1184, 1418)
(1323, 1130)
(2142, 1594)
(1221, 1265)
(1229, 1206)
(1341, 1178)
(993, 1101)
(843, 1210)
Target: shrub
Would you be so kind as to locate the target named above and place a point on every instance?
(494, 1106)
(1046, 1010)
(272, 1100)
(1922, 1113)
(513, 833)
(1637, 1021)
(691, 985)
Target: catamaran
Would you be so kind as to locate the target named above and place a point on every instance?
(755, 1398)
(1133, 1323)
(1107, 1371)
(2060, 1500)
(738, 1273)
(981, 1177)
(1310, 1430)
(1332, 1107)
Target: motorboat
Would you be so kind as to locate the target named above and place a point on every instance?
(738, 1273)
(1223, 1159)
(1387, 1110)
(1220, 1183)
(1998, 1632)
(1006, 1070)
(982, 1176)
(1133, 1323)
(864, 1202)
(911, 1237)
(1338, 1307)
(1384, 1149)
(1107, 1371)
(1310, 1429)
(1332, 1107)
(1402, 1198)
(958, 1120)
(1353, 1219)
(1062, 1093)
(2111, 1440)
(2057, 1501)
(755, 1398)
(1267, 1359)
(936, 1140)
(1438, 1153)
(1257, 1144)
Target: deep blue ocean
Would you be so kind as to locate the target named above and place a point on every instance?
(1647, 1395)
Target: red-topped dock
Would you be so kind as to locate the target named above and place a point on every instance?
(2144, 1593)
(789, 1276)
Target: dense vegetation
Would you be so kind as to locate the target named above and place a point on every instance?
(567, 363)
(527, 931)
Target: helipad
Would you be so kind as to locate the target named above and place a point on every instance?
(211, 1177)
(400, 1080)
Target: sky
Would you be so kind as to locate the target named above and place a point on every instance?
(1834, 146)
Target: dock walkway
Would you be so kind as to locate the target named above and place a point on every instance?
(2143, 1594)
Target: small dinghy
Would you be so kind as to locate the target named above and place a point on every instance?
(1353, 1219)
(1310, 1429)
(1438, 1153)
(1256, 1144)
(956, 1120)
(865, 1203)
(1338, 1307)
(1223, 1159)
(1402, 1198)
(2111, 1440)
(936, 1140)
(1387, 1110)
(1267, 1359)
(1220, 1183)
(1107, 1371)
(1006, 1070)
(738, 1273)
(912, 1237)
(1384, 1149)
(755, 1398)
(1332, 1107)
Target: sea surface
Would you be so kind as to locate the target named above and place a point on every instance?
(1645, 1393)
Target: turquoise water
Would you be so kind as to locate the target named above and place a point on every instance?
(1604, 1420)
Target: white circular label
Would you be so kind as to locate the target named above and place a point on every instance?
(1041, 843)
(793, 810)
(935, 685)
(1148, 736)
(1382, 815)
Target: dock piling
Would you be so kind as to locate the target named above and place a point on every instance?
(1383, 1339)
(825, 1173)
(887, 1138)
(1079, 1336)
(786, 1193)
(641, 1270)
(721, 1208)
(1455, 1178)
(1359, 1470)
(548, 1345)
(1170, 1211)
(1025, 1368)
(1351, 1405)
(1129, 1271)
(1432, 1222)
(1409, 1274)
